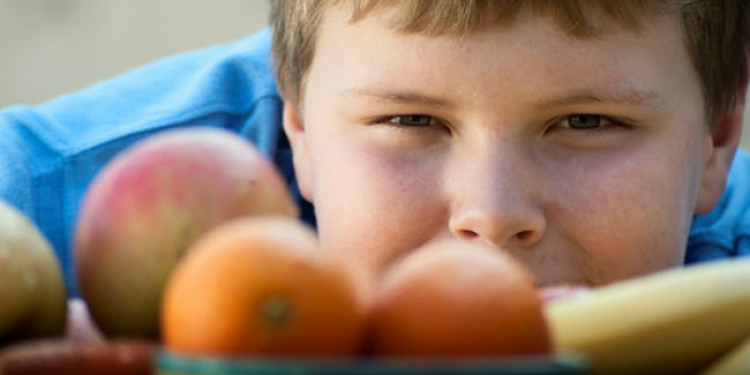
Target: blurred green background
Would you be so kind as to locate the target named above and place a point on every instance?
(50, 47)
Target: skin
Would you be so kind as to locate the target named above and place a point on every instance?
(504, 159)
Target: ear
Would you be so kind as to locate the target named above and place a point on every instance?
(720, 146)
(295, 132)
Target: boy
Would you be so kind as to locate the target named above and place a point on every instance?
(580, 139)
(580, 136)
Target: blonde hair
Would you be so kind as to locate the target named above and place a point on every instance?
(716, 32)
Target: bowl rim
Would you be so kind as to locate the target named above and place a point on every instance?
(170, 362)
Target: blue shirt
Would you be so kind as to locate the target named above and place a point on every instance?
(50, 153)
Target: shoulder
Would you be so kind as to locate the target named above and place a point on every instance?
(50, 152)
(725, 231)
(214, 86)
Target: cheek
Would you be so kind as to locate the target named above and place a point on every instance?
(373, 204)
(630, 214)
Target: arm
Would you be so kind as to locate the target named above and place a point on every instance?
(50, 153)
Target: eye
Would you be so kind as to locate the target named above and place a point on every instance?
(583, 130)
(585, 121)
(411, 120)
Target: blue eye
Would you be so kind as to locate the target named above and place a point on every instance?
(584, 121)
(411, 120)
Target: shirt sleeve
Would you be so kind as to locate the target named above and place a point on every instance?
(50, 153)
(725, 231)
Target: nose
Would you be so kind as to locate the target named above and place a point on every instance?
(496, 199)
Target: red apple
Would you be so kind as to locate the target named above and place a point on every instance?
(32, 288)
(148, 205)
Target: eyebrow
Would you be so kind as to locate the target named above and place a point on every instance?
(576, 97)
(402, 97)
(588, 96)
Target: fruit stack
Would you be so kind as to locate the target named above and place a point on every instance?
(190, 258)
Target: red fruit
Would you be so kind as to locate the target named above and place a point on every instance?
(149, 204)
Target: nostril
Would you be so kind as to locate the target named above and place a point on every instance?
(496, 230)
(524, 236)
(467, 234)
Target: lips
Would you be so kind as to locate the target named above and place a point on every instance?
(561, 292)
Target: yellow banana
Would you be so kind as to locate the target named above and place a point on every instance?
(672, 322)
(736, 362)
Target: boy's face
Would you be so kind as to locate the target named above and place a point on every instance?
(584, 158)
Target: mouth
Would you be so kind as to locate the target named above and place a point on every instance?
(542, 283)
(558, 292)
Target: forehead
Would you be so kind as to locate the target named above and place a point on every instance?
(592, 24)
(531, 57)
(383, 24)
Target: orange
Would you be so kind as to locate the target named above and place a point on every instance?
(260, 286)
(454, 299)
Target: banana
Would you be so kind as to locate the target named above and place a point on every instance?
(671, 322)
(735, 362)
